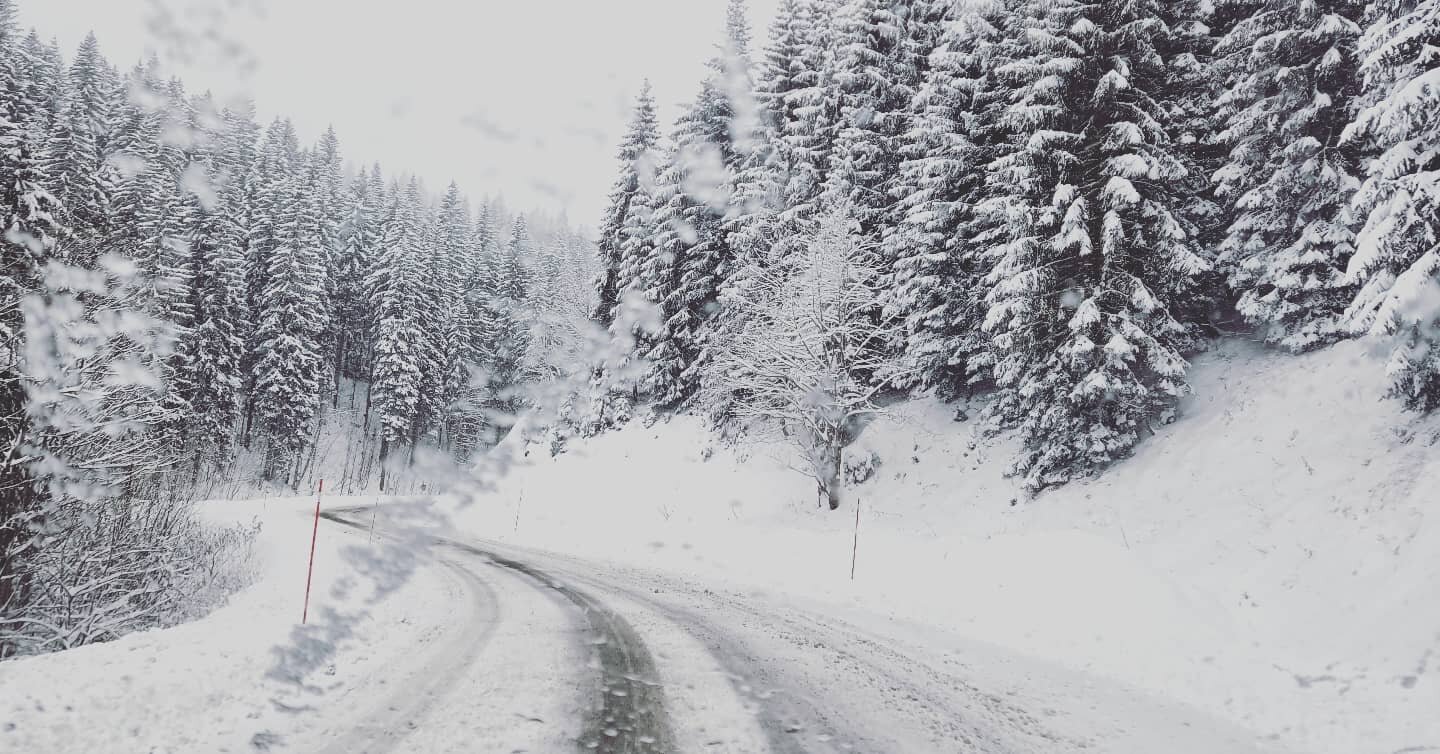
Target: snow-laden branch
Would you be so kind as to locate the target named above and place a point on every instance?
(807, 347)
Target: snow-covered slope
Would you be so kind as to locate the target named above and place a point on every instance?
(1269, 558)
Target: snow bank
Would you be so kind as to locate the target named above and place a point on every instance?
(209, 685)
(1269, 558)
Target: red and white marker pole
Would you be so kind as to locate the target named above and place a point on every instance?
(314, 534)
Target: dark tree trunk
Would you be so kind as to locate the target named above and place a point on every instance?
(384, 457)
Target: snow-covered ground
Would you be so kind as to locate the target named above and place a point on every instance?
(1269, 558)
(1261, 576)
(226, 683)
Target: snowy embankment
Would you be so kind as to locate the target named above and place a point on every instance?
(211, 685)
(1269, 558)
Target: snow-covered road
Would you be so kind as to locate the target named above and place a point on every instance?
(626, 660)
(471, 645)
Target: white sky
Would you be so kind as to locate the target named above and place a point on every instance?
(527, 98)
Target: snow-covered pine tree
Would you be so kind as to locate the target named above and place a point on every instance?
(479, 286)
(78, 145)
(753, 225)
(164, 259)
(1289, 178)
(1397, 259)
(42, 79)
(213, 350)
(637, 166)
(1088, 352)
(477, 331)
(711, 141)
(430, 316)
(135, 149)
(509, 306)
(327, 184)
(451, 251)
(396, 288)
(639, 261)
(879, 49)
(666, 358)
(781, 69)
(290, 319)
(814, 100)
(236, 161)
(27, 233)
(359, 238)
(936, 275)
(759, 227)
(272, 175)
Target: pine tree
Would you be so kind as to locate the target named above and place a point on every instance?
(480, 288)
(508, 310)
(633, 281)
(676, 234)
(1289, 178)
(936, 275)
(327, 182)
(399, 339)
(758, 227)
(451, 249)
(43, 80)
(814, 99)
(164, 257)
(77, 151)
(709, 149)
(1088, 351)
(135, 149)
(271, 177)
(637, 167)
(781, 68)
(876, 69)
(213, 351)
(1397, 262)
(290, 319)
(359, 239)
(27, 234)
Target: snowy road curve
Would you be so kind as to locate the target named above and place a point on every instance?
(674, 666)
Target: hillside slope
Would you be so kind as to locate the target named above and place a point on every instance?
(1270, 557)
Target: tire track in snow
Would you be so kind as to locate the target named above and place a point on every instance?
(451, 659)
(792, 723)
(627, 714)
(837, 688)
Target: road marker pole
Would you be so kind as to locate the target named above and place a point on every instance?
(374, 513)
(314, 534)
(855, 545)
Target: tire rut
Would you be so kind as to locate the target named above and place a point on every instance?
(628, 713)
(388, 726)
(629, 716)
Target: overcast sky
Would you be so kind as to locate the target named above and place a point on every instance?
(527, 98)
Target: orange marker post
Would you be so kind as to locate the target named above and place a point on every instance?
(314, 534)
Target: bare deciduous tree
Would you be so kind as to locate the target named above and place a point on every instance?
(808, 346)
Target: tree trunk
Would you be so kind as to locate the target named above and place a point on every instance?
(832, 469)
(339, 365)
(384, 455)
(249, 420)
(369, 390)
